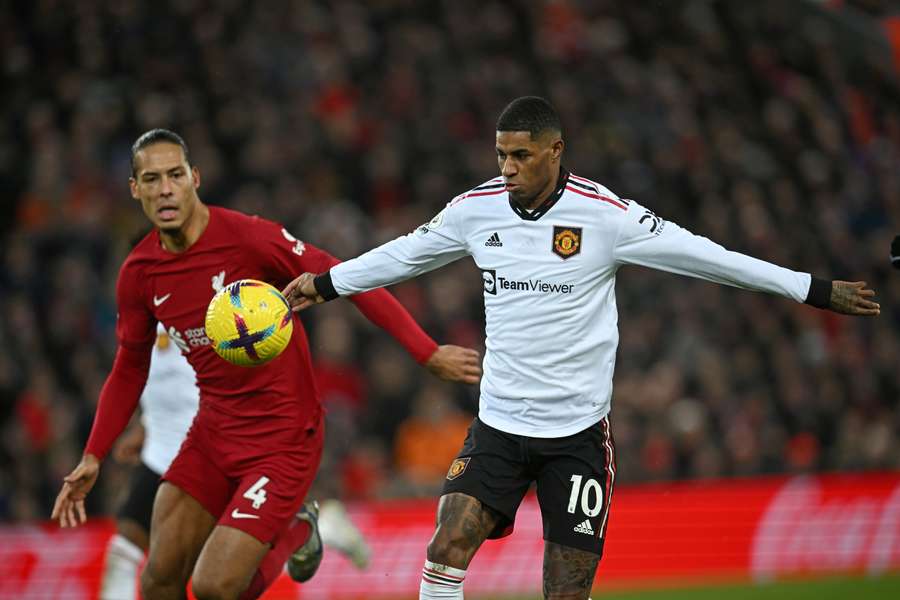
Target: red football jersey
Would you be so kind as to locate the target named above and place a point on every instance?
(175, 289)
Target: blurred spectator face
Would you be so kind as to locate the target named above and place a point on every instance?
(166, 185)
(528, 165)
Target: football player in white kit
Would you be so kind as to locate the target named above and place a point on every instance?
(549, 244)
(168, 406)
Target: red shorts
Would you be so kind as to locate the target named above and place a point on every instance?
(254, 487)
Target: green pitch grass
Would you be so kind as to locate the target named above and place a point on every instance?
(874, 588)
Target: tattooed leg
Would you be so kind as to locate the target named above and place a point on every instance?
(463, 523)
(568, 573)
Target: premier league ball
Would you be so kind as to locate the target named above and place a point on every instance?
(249, 323)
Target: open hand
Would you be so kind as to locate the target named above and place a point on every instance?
(852, 298)
(301, 293)
(455, 363)
(69, 506)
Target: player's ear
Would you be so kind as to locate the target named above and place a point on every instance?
(132, 185)
(556, 149)
(195, 173)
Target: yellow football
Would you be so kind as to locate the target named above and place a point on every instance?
(249, 323)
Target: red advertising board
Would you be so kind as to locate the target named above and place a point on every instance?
(661, 534)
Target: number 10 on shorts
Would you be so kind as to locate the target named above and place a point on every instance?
(256, 493)
(590, 485)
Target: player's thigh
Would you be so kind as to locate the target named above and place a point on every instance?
(194, 472)
(178, 531)
(574, 487)
(271, 489)
(568, 572)
(227, 563)
(491, 467)
(264, 504)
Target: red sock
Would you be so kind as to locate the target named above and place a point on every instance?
(273, 562)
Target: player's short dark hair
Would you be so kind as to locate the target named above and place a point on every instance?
(156, 136)
(529, 113)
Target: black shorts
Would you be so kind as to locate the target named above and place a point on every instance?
(138, 506)
(574, 476)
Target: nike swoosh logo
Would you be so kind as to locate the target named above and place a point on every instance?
(235, 514)
(159, 300)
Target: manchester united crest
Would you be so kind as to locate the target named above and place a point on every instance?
(566, 241)
(457, 467)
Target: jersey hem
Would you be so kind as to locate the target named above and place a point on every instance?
(543, 432)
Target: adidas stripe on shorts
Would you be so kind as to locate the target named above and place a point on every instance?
(575, 476)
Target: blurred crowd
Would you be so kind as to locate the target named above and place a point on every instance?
(761, 125)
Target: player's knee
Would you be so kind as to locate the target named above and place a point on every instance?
(451, 547)
(159, 576)
(205, 588)
(215, 588)
(153, 582)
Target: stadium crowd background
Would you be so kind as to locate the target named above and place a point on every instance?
(766, 126)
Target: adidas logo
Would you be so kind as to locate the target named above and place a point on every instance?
(584, 527)
(494, 240)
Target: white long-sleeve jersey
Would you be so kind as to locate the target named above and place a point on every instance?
(549, 290)
(168, 404)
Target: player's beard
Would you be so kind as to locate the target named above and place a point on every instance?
(524, 199)
(175, 233)
(170, 228)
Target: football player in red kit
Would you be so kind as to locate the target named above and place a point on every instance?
(225, 513)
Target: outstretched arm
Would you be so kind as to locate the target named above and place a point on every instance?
(645, 239)
(118, 400)
(451, 363)
(286, 255)
(432, 245)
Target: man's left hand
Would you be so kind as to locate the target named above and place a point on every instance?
(455, 363)
(852, 298)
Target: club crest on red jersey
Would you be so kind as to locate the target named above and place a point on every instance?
(566, 241)
(218, 281)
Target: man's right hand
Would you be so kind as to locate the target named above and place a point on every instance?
(852, 298)
(301, 293)
(69, 506)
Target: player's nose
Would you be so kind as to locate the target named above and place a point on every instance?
(166, 188)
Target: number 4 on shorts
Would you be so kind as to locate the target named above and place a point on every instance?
(256, 493)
